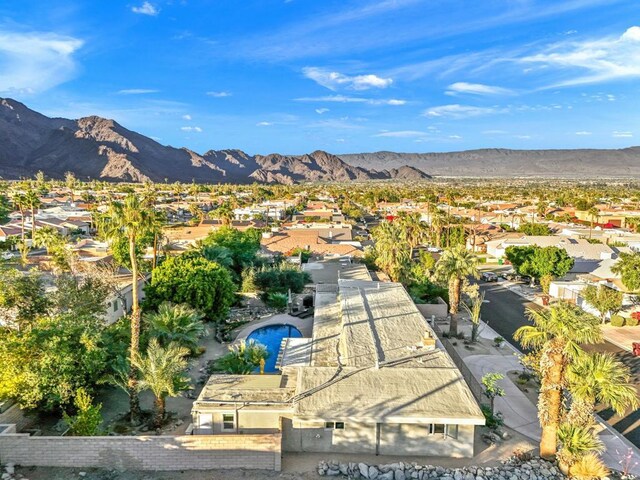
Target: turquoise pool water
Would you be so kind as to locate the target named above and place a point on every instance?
(271, 337)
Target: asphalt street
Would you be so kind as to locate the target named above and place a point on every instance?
(505, 313)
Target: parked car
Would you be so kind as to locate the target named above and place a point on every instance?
(489, 277)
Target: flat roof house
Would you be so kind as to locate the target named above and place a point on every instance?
(372, 379)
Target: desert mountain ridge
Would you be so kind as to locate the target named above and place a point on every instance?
(98, 148)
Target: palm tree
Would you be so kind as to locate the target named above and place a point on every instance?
(158, 221)
(162, 371)
(415, 230)
(49, 238)
(437, 225)
(33, 201)
(474, 314)
(454, 266)
(628, 267)
(20, 201)
(132, 220)
(556, 334)
(71, 182)
(176, 323)
(594, 214)
(576, 441)
(392, 249)
(598, 378)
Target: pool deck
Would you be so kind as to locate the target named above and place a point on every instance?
(305, 325)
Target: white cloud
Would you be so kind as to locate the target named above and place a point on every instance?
(346, 99)
(583, 133)
(402, 134)
(264, 124)
(455, 137)
(603, 59)
(320, 111)
(476, 89)
(191, 129)
(334, 80)
(137, 91)
(186, 117)
(458, 111)
(146, 8)
(523, 137)
(35, 62)
(219, 94)
(617, 134)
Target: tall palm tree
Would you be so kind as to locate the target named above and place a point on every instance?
(71, 182)
(176, 323)
(392, 249)
(474, 311)
(594, 214)
(415, 230)
(557, 334)
(598, 378)
(454, 266)
(33, 201)
(21, 203)
(628, 267)
(130, 219)
(162, 371)
(49, 238)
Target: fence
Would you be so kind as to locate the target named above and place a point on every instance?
(185, 452)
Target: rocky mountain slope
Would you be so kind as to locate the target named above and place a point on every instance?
(95, 147)
(500, 162)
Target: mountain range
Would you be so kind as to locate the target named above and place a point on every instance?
(99, 148)
(95, 147)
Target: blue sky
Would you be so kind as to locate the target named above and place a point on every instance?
(292, 76)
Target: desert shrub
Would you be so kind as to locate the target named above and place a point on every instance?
(617, 321)
(631, 322)
(588, 467)
(276, 300)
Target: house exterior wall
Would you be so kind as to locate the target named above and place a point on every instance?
(247, 420)
(362, 437)
(411, 439)
(116, 310)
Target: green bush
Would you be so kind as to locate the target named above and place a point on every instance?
(277, 300)
(281, 279)
(617, 321)
(493, 420)
(631, 322)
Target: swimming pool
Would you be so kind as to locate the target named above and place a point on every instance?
(271, 337)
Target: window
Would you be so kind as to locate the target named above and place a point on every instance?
(228, 421)
(437, 429)
(443, 430)
(115, 305)
(334, 425)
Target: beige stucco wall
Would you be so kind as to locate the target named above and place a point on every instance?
(409, 439)
(198, 452)
(247, 420)
(360, 437)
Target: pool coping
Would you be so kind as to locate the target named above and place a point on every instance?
(304, 325)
